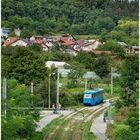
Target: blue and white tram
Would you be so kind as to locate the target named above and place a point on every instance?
(93, 97)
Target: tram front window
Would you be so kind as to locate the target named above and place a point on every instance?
(87, 95)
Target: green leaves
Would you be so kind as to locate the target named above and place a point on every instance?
(18, 94)
(113, 46)
(129, 77)
(122, 132)
(23, 64)
(77, 71)
(103, 23)
(101, 66)
(76, 17)
(86, 59)
(18, 122)
(124, 29)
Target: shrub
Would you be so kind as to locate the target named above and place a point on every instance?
(122, 132)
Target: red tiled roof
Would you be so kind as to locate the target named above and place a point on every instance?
(67, 42)
(80, 42)
(9, 41)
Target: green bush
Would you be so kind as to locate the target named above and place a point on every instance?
(122, 132)
(70, 99)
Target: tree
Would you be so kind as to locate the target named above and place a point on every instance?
(76, 17)
(113, 46)
(129, 76)
(86, 59)
(124, 29)
(77, 71)
(27, 33)
(18, 122)
(133, 121)
(103, 23)
(101, 66)
(41, 92)
(23, 64)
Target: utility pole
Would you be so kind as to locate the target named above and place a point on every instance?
(57, 96)
(111, 81)
(86, 83)
(109, 111)
(4, 95)
(49, 89)
(32, 90)
(108, 105)
(49, 92)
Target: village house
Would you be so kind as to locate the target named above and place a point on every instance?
(21, 42)
(66, 43)
(44, 42)
(46, 45)
(35, 40)
(53, 38)
(38, 39)
(132, 50)
(127, 50)
(70, 51)
(67, 37)
(13, 41)
(60, 67)
(9, 41)
(135, 49)
(67, 40)
(86, 44)
(5, 32)
(56, 64)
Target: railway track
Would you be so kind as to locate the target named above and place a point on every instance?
(62, 120)
(72, 127)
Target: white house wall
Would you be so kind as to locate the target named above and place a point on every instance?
(19, 43)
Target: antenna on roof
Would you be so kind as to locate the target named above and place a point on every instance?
(17, 32)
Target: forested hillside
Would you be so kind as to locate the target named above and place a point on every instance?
(69, 16)
(108, 21)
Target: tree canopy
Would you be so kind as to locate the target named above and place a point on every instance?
(68, 16)
(23, 64)
(129, 77)
(102, 67)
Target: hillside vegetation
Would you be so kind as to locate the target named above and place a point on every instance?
(107, 18)
(109, 21)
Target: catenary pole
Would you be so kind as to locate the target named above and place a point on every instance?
(86, 83)
(5, 95)
(111, 82)
(57, 97)
(32, 90)
(49, 93)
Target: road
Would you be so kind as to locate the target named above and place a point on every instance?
(99, 128)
